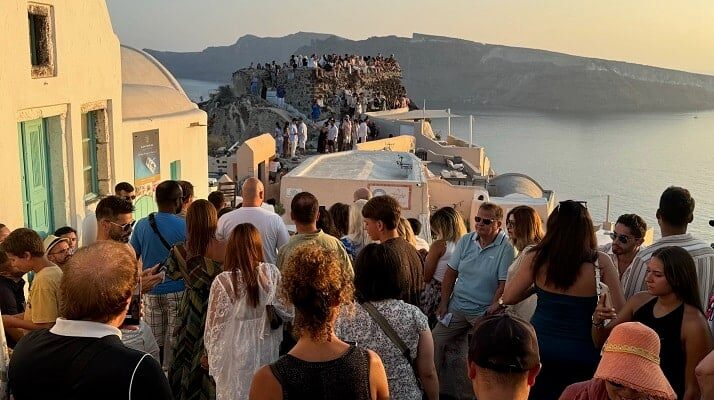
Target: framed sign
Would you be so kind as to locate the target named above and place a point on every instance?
(147, 160)
(402, 193)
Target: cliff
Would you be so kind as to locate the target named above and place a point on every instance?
(470, 74)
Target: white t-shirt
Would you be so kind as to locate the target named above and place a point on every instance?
(271, 227)
(332, 133)
(362, 131)
(303, 129)
(274, 166)
(293, 132)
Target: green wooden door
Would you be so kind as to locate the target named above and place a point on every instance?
(143, 206)
(35, 177)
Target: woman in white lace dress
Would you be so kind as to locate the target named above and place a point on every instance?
(238, 336)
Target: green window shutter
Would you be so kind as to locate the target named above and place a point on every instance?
(176, 170)
(89, 157)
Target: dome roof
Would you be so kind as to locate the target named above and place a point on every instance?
(148, 88)
(509, 184)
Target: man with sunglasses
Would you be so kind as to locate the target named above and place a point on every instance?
(57, 250)
(480, 261)
(627, 238)
(114, 219)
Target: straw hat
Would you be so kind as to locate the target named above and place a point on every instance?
(630, 357)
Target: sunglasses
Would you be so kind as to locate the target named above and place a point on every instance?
(486, 221)
(624, 239)
(582, 203)
(510, 223)
(126, 227)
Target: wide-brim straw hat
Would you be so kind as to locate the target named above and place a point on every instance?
(630, 357)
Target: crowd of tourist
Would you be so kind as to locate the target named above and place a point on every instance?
(200, 300)
(335, 63)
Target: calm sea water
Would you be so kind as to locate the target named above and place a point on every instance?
(196, 89)
(631, 157)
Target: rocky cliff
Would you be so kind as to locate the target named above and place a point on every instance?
(463, 73)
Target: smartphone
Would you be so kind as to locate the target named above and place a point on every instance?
(134, 314)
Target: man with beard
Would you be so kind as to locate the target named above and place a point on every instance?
(114, 219)
(627, 237)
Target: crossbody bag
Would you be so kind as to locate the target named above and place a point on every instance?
(393, 337)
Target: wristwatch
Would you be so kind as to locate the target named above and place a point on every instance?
(500, 302)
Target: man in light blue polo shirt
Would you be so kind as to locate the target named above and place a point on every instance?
(152, 239)
(480, 261)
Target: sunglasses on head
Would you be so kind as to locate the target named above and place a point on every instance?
(624, 239)
(582, 203)
(486, 221)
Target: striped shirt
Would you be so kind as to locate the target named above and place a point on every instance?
(633, 280)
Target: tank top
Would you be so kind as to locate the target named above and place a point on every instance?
(441, 265)
(346, 377)
(671, 353)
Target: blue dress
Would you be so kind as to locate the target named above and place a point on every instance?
(563, 325)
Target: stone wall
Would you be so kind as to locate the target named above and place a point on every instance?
(302, 86)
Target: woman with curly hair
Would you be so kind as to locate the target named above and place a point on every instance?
(320, 366)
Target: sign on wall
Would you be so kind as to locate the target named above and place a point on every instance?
(147, 161)
(402, 193)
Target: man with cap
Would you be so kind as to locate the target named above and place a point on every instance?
(57, 250)
(503, 358)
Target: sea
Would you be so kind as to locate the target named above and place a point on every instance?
(630, 157)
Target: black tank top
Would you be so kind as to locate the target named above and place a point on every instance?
(345, 378)
(669, 328)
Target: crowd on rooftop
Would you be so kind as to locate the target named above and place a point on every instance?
(204, 300)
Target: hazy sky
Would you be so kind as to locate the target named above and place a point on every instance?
(675, 34)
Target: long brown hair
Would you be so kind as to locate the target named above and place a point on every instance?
(201, 222)
(681, 274)
(528, 228)
(244, 252)
(569, 242)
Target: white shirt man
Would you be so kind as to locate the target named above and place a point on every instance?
(293, 138)
(302, 130)
(362, 132)
(332, 132)
(272, 229)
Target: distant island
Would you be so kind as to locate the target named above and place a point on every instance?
(467, 74)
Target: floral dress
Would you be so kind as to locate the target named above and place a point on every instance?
(356, 325)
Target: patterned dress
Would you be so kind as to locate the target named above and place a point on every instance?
(188, 379)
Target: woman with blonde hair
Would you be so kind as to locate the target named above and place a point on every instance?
(197, 262)
(357, 236)
(320, 365)
(525, 230)
(448, 227)
(239, 337)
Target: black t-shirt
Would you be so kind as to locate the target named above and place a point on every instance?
(12, 296)
(49, 366)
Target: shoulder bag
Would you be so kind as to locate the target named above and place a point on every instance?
(393, 336)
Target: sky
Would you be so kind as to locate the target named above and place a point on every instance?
(677, 34)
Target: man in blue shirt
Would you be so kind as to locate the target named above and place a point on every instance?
(152, 239)
(480, 261)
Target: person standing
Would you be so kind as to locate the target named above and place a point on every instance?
(81, 356)
(302, 136)
(675, 213)
(346, 128)
(69, 233)
(125, 190)
(381, 218)
(197, 262)
(286, 139)
(293, 130)
(565, 270)
(480, 262)
(57, 250)
(152, 240)
(362, 132)
(25, 251)
(448, 227)
(274, 233)
(525, 230)
(320, 366)
(278, 136)
(671, 306)
(378, 288)
(503, 358)
(331, 137)
(239, 337)
(627, 238)
(315, 112)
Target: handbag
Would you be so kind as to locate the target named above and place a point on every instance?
(393, 336)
